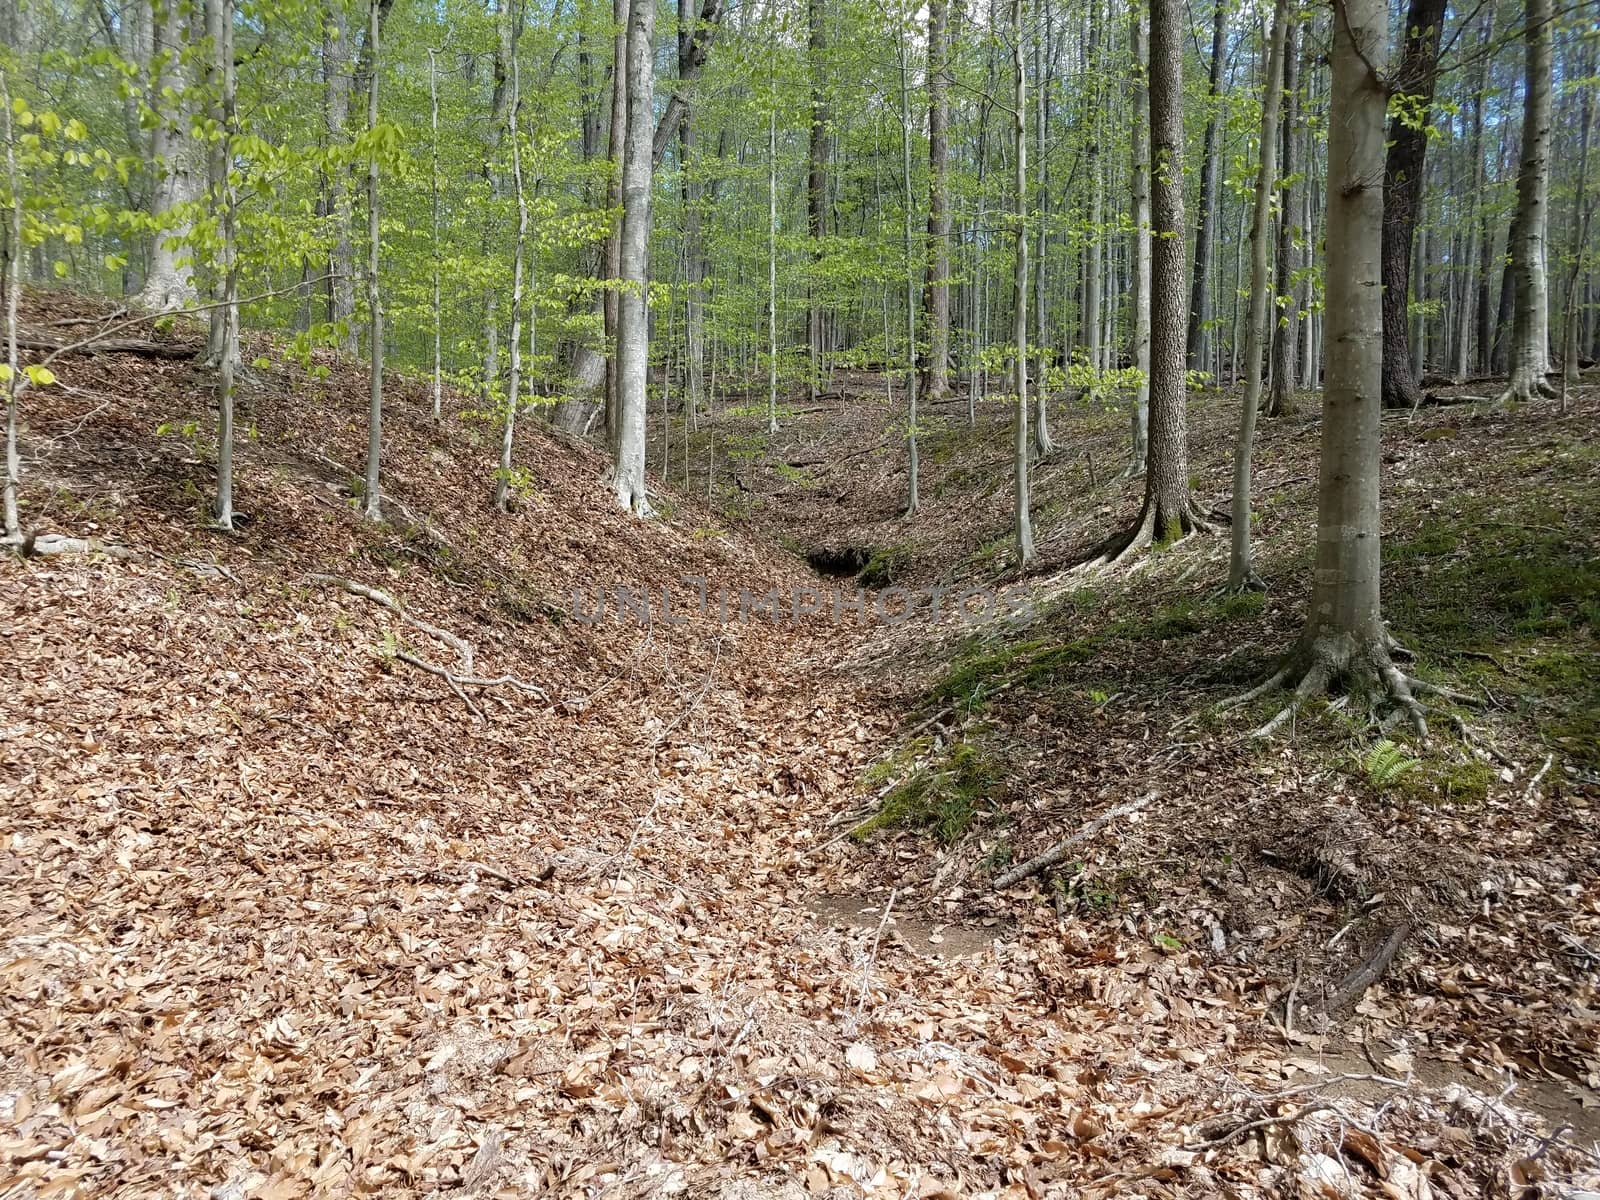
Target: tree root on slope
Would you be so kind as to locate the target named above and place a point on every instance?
(1142, 535)
(1362, 667)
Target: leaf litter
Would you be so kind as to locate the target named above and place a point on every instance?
(283, 917)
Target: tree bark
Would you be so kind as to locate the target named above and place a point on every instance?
(374, 495)
(1140, 140)
(936, 289)
(177, 159)
(1530, 322)
(1286, 329)
(1198, 339)
(1344, 642)
(219, 16)
(1019, 293)
(1402, 192)
(1168, 512)
(817, 181)
(1241, 569)
(633, 245)
(1475, 251)
(502, 484)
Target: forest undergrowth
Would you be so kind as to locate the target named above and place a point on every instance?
(349, 858)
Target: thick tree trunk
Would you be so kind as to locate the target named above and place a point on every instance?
(1530, 323)
(1140, 170)
(936, 290)
(1345, 642)
(1168, 512)
(1241, 570)
(633, 260)
(177, 158)
(1022, 497)
(621, 14)
(1572, 314)
(1286, 328)
(1402, 192)
(1198, 337)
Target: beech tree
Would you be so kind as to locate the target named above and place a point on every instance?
(1169, 512)
(1530, 329)
(1345, 643)
(633, 329)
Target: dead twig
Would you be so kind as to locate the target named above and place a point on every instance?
(1059, 851)
(383, 599)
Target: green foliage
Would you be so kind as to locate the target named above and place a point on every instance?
(885, 566)
(943, 797)
(1386, 763)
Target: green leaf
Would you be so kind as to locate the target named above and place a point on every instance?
(40, 376)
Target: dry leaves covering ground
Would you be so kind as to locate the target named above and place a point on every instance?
(285, 915)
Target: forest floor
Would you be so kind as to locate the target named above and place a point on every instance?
(291, 906)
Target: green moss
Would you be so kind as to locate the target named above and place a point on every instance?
(885, 566)
(975, 677)
(943, 797)
(1464, 782)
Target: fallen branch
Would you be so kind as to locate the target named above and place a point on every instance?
(1059, 851)
(139, 346)
(1355, 984)
(460, 681)
(382, 599)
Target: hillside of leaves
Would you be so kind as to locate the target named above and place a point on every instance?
(299, 901)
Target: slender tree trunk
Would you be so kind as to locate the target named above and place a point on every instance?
(936, 291)
(13, 285)
(633, 329)
(1285, 329)
(912, 463)
(1419, 337)
(336, 66)
(1094, 270)
(1019, 292)
(1465, 322)
(219, 22)
(772, 249)
(502, 483)
(621, 14)
(1199, 336)
(1402, 192)
(374, 496)
(1140, 140)
(1582, 211)
(1530, 325)
(1041, 392)
(693, 255)
(433, 183)
(1241, 569)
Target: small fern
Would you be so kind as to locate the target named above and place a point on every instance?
(1386, 762)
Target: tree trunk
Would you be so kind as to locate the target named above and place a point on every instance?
(912, 463)
(693, 255)
(1345, 642)
(1402, 192)
(1042, 71)
(219, 25)
(374, 494)
(1198, 340)
(1572, 314)
(633, 259)
(1530, 322)
(817, 182)
(936, 290)
(502, 483)
(1019, 292)
(622, 16)
(433, 185)
(13, 286)
(1140, 139)
(1168, 512)
(1241, 570)
(1465, 323)
(177, 157)
(1094, 269)
(1286, 329)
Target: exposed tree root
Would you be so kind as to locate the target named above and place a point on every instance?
(1359, 667)
(1145, 532)
(1354, 985)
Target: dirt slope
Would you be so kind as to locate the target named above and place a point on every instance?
(284, 914)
